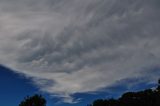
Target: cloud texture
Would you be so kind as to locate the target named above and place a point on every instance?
(79, 46)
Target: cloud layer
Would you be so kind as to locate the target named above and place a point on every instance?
(79, 46)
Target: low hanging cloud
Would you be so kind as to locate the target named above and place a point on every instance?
(80, 46)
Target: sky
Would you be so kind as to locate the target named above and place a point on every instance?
(74, 51)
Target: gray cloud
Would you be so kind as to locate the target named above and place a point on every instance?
(79, 46)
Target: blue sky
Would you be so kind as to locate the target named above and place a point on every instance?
(71, 49)
(15, 87)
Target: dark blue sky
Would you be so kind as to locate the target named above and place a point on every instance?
(15, 87)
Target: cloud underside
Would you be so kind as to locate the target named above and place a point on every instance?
(79, 46)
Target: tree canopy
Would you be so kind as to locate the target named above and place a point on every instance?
(36, 100)
(148, 97)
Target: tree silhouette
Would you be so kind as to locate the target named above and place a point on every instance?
(158, 88)
(36, 100)
(146, 97)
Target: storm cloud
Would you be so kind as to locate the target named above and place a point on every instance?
(80, 46)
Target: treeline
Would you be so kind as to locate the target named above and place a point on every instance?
(148, 97)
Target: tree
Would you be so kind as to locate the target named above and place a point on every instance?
(36, 100)
(147, 97)
(158, 88)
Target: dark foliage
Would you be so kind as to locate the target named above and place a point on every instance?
(147, 97)
(36, 100)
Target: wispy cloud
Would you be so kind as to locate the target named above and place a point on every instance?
(78, 46)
